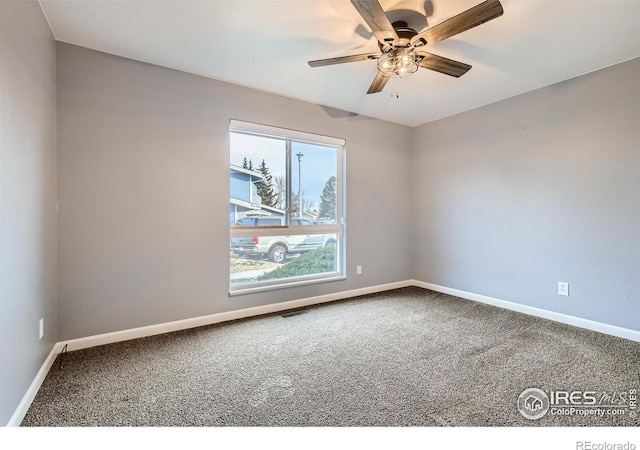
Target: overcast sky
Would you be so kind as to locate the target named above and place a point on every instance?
(318, 163)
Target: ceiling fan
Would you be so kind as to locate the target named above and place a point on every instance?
(400, 45)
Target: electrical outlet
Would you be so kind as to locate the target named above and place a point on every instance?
(41, 328)
(358, 270)
(563, 288)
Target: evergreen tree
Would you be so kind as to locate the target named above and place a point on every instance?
(328, 203)
(265, 191)
(247, 164)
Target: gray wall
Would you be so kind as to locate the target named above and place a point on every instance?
(144, 192)
(27, 198)
(544, 187)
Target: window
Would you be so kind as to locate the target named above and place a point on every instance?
(286, 209)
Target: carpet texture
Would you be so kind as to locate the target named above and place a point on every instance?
(407, 357)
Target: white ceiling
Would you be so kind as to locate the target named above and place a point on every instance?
(265, 44)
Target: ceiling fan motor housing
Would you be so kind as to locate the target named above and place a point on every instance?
(405, 34)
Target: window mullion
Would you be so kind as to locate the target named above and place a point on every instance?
(288, 181)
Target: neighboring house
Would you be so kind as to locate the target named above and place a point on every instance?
(243, 195)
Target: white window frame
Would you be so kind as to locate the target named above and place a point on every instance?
(294, 136)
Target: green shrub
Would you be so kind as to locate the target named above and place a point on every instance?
(319, 260)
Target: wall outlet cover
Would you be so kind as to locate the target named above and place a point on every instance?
(563, 288)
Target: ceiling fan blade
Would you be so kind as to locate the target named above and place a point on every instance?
(374, 15)
(378, 84)
(479, 14)
(343, 59)
(443, 65)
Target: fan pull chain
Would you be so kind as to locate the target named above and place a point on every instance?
(395, 91)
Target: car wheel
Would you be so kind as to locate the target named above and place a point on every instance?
(277, 254)
(330, 243)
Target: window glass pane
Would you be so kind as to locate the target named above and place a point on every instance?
(257, 181)
(287, 183)
(314, 183)
(256, 259)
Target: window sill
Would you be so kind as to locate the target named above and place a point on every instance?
(285, 284)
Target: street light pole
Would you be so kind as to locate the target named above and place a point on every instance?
(299, 155)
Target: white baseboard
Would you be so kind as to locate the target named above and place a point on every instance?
(626, 333)
(28, 397)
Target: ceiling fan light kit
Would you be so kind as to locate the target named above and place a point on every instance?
(398, 56)
(398, 63)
